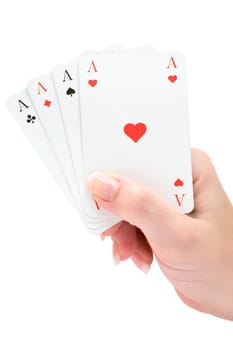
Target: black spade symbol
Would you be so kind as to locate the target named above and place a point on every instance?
(70, 92)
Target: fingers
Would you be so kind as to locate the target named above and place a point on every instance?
(129, 242)
(125, 239)
(143, 248)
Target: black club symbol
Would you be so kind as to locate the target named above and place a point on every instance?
(31, 119)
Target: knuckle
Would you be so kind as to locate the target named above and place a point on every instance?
(201, 155)
(141, 202)
(203, 168)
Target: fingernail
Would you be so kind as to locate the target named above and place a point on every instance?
(145, 267)
(142, 265)
(115, 254)
(103, 186)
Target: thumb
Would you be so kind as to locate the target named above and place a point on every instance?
(135, 203)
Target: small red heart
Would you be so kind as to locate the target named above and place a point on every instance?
(178, 183)
(92, 83)
(172, 78)
(135, 131)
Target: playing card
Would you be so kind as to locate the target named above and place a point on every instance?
(134, 119)
(66, 84)
(91, 206)
(21, 108)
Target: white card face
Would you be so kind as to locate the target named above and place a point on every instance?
(22, 110)
(134, 117)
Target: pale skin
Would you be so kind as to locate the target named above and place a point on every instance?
(195, 251)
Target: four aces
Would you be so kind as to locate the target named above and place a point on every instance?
(119, 110)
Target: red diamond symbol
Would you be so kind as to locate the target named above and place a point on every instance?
(47, 103)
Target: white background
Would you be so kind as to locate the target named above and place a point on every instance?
(59, 288)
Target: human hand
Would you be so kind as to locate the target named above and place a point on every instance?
(195, 251)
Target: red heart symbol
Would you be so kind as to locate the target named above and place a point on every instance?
(172, 78)
(178, 183)
(135, 131)
(92, 83)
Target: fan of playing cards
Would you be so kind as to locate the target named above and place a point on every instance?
(118, 110)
